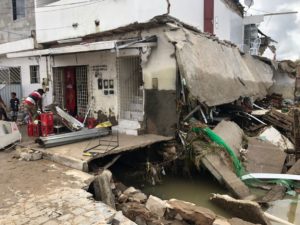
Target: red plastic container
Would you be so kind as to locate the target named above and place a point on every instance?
(46, 124)
(91, 123)
(47, 119)
(46, 130)
(33, 130)
(79, 118)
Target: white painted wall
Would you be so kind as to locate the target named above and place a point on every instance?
(16, 46)
(228, 25)
(90, 59)
(24, 63)
(161, 64)
(55, 23)
(189, 11)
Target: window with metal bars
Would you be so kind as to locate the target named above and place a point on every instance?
(34, 74)
(18, 7)
(10, 75)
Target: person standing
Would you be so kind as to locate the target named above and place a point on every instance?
(14, 106)
(33, 103)
(3, 110)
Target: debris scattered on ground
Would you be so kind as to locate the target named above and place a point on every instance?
(244, 209)
(28, 154)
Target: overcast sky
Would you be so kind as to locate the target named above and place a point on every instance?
(285, 29)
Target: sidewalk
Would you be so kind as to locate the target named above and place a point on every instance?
(42, 192)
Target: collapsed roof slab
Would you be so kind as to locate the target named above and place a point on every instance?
(215, 72)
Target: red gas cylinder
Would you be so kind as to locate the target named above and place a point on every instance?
(91, 122)
(47, 119)
(46, 124)
(33, 130)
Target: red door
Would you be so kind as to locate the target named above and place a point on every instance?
(70, 90)
(209, 16)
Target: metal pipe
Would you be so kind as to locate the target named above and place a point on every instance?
(257, 106)
(62, 139)
(253, 117)
(203, 115)
(192, 112)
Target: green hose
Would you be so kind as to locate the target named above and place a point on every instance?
(239, 169)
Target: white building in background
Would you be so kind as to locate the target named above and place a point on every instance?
(114, 55)
(71, 19)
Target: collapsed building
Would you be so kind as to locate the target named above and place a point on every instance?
(136, 74)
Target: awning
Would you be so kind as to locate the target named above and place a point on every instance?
(87, 47)
(216, 73)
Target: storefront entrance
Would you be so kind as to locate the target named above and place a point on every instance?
(70, 89)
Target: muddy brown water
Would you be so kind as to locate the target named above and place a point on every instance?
(287, 209)
(199, 189)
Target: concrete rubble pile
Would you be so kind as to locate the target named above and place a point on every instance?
(144, 210)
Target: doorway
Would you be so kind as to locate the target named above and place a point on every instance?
(131, 101)
(209, 16)
(70, 89)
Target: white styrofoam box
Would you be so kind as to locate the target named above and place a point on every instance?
(129, 124)
(9, 133)
(132, 132)
(119, 129)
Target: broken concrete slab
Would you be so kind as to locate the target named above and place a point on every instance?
(263, 157)
(138, 213)
(231, 133)
(244, 209)
(102, 185)
(133, 195)
(224, 174)
(71, 155)
(191, 212)
(278, 191)
(156, 206)
(197, 57)
(237, 221)
(276, 138)
(295, 169)
(31, 156)
(219, 221)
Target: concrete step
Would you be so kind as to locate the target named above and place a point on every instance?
(133, 132)
(135, 116)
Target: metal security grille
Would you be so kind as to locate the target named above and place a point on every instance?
(10, 81)
(130, 91)
(82, 90)
(34, 74)
(58, 87)
(10, 75)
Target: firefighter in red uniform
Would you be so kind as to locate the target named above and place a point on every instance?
(34, 102)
